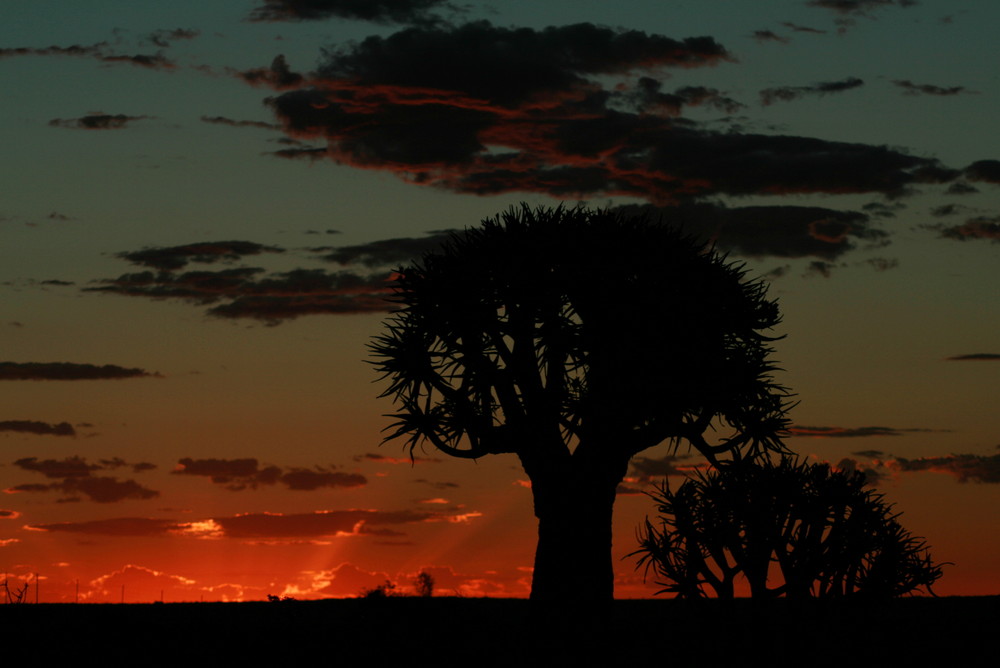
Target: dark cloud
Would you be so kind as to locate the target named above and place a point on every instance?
(509, 66)
(977, 357)
(647, 97)
(241, 474)
(246, 292)
(70, 467)
(787, 93)
(927, 89)
(162, 38)
(983, 170)
(235, 474)
(437, 485)
(35, 427)
(222, 120)
(882, 263)
(974, 228)
(101, 489)
(769, 36)
(170, 258)
(961, 188)
(883, 210)
(278, 76)
(758, 231)
(873, 474)
(870, 454)
(820, 268)
(99, 51)
(106, 489)
(384, 459)
(378, 11)
(308, 479)
(9, 514)
(155, 61)
(119, 526)
(485, 110)
(385, 252)
(67, 371)
(96, 121)
(646, 469)
(860, 7)
(946, 210)
(965, 468)
(95, 50)
(77, 479)
(855, 432)
(799, 28)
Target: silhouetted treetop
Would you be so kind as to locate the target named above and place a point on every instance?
(585, 322)
(575, 339)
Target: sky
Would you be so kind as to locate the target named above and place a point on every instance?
(203, 203)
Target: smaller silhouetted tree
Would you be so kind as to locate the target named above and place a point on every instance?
(423, 584)
(822, 530)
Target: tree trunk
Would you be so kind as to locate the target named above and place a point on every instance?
(574, 509)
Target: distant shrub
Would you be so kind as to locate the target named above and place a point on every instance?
(820, 529)
(423, 584)
(384, 590)
(280, 599)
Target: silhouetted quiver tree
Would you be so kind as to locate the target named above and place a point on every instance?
(821, 530)
(575, 339)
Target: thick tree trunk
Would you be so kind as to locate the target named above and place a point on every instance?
(574, 509)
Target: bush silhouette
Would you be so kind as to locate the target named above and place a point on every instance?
(423, 584)
(575, 339)
(821, 530)
(385, 590)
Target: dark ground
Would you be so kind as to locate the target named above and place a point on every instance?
(964, 631)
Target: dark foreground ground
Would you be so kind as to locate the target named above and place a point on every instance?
(497, 632)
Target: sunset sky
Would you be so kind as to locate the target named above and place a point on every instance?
(203, 202)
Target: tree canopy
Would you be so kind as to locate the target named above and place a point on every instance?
(574, 339)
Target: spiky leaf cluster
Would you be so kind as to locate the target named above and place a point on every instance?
(791, 529)
(567, 326)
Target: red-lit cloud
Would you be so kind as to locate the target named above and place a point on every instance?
(482, 109)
